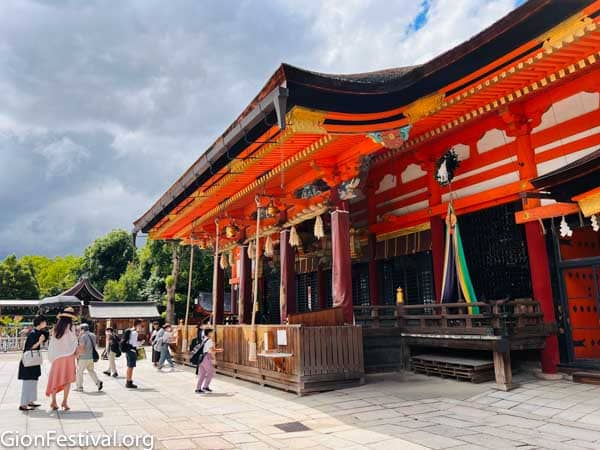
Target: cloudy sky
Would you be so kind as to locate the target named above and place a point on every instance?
(104, 104)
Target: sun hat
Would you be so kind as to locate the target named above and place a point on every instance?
(68, 312)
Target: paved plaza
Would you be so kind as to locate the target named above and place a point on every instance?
(393, 411)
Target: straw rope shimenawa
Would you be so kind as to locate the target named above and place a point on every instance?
(253, 338)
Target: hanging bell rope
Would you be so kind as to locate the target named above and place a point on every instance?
(295, 238)
(319, 231)
(224, 262)
(269, 247)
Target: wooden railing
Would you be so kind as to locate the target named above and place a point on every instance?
(500, 317)
(301, 359)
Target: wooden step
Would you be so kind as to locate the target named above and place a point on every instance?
(586, 377)
(475, 370)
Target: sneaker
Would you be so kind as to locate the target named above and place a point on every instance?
(107, 373)
(130, 385)
(115, 375)
(207, 389)
(78, 389)
(100, 385)
(199, 391)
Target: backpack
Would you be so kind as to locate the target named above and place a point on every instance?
(115, 345)
(124, 344)
(198, 353)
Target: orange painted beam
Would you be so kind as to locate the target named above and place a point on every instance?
(546, 212)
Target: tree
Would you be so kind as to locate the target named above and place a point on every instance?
(107, 257)
(127, 289)
(17, 280)
(53, 275)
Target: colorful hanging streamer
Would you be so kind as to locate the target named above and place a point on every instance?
(455, 265)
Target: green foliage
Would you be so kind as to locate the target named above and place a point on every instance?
(17, 280)
(107, 257)
(53, 275)
(127, 288)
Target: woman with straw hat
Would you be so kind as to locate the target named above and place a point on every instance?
(62, 352)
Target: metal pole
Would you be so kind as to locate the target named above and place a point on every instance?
(189, 295)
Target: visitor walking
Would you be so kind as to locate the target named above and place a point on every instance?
(129, 346)
(156, 329)
(62, 351)
(30, 374)
(113, 351)
(88, 356)
(164, 340)
(206, 366)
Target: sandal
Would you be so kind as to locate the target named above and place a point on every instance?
(65, 407)
(34, 405)
(54, 407)
(25, 408)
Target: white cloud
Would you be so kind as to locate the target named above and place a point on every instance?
(124, 99)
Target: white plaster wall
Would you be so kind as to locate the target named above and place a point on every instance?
(387, 182)
(412, 172)
(492, 139)
(568, 108)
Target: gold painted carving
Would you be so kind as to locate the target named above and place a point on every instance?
(590, 205)
(567, 31)
(307, 121)
(423, 107)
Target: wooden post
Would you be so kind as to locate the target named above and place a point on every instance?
(287, 298)
(342, 263)
(321, 288)
(245, 291)
(503, 371)
(189, 296)
(519, 126)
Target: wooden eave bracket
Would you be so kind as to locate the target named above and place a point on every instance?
(589, 202)
(546, 212)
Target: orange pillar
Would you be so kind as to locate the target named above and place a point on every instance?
(536, 244)
(437, 234)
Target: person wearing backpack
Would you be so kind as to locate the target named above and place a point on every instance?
(129, 346)
(113, 350)
(206, 358)
(164, 340)
(88, 357)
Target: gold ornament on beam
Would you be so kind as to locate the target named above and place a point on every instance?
(272, 210)
(231, 230)
(423, 107)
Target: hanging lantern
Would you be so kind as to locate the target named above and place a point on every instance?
(251, 250)
(224, 263)
(202, 244)
(355, 248)
(319, 231)
(295, 238)
(231, 230)
(269, 247)
(272, 210)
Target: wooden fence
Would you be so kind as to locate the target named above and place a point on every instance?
(293, 357)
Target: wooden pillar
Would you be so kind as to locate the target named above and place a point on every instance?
(539, 267)
(503, 371)
(373, 274)
(437, 234)
(342, 264)
(321, 288)
(245, 291)
(219, 296)
(372, 246)
(287, 299)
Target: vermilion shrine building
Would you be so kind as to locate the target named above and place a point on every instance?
(353, 158)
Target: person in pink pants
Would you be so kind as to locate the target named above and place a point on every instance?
(206, 369)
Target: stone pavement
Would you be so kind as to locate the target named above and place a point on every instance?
(393, 411)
